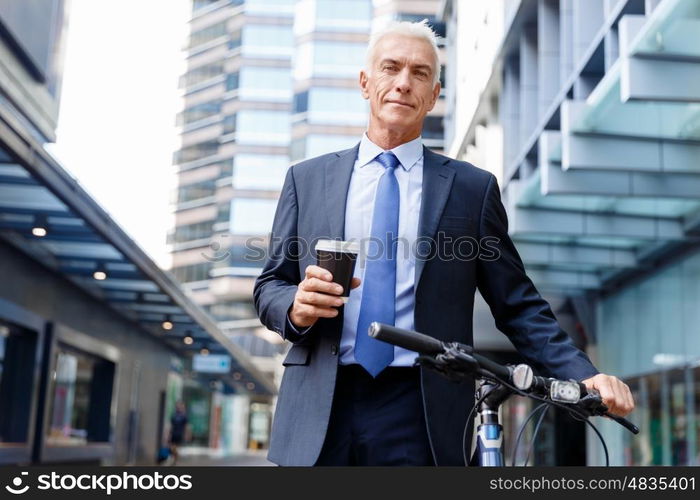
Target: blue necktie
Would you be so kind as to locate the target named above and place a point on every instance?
(379, 288)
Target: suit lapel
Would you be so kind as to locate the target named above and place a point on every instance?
(336, 181)
(438, 176)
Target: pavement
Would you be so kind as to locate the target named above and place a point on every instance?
(249, 459)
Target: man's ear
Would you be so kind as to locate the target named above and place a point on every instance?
(363, 84)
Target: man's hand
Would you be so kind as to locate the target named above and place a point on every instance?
(615, 393)
(317, 297)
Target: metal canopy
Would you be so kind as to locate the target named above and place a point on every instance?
(619, 183)
(45, 213)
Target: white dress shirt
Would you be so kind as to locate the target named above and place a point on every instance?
(358, 220)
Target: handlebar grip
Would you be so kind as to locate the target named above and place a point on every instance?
(624, 423)
(413, 341)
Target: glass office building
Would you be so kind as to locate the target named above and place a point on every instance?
(588, 112)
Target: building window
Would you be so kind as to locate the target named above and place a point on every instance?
(229, 124)
(265, 83)
(432, 127)
(207, 34)
(17, 363)
(297, 149)
(196, 191)
(252, 215)
(267, 40)
(199, 112)
(200, 4)
(191, 232)
(263, 127)
(317, 145)
(339, 15)
(329, 59)
(235, 41)
(196, 152)
(337, 106)
(301, 102)
(223, 213)
(344, 14)
(194, 272)
(233, 310)
(269, 7)
(201, 74)
(232, 81)
(257, 171)
(81, 398)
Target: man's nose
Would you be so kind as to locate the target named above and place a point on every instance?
(403, 81)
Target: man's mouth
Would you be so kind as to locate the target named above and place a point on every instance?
(400, 103)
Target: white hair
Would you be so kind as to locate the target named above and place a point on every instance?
(419, 30)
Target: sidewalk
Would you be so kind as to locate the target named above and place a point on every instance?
(248, 459)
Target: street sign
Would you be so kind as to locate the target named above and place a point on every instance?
(211, 363)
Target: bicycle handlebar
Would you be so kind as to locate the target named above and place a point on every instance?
(413, 341)
(430, 346)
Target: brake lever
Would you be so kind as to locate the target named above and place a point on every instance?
(592, 404)
(442, 365)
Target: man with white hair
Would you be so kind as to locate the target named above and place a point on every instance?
(348, 399)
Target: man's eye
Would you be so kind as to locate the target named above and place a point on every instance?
(390, 68)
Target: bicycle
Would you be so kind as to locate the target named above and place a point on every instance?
(458, 361)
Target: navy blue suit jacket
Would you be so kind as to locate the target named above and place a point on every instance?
(458, 201)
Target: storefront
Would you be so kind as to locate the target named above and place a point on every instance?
(649, 334)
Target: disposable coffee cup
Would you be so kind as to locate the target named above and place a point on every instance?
(338, 258)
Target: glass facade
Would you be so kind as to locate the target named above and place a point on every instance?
(327, 105)
(80, 398)
(257, 171)
(262, 127)
(316, 144)
(260, 40)
(34, 25)
(198, 412)
(196, 151)
(252, 216)
(264, 83)
(191, 232)
(200, 4)
(330, 59)
(232, 310)
(269, 7)
(207, 34)
(193, 272)
(196, 191)
(17, 363)
(201, 74)
(339, 15)
(648, 335)
(199, 112)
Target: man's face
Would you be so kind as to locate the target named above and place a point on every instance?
(399, 83)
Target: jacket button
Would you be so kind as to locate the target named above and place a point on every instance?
(334, 349)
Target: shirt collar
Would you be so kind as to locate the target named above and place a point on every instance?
(408, 153)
